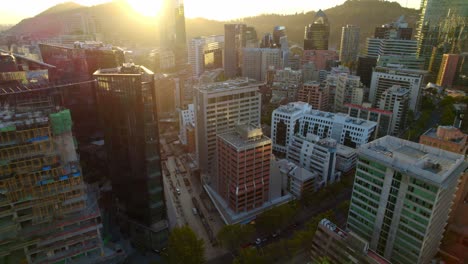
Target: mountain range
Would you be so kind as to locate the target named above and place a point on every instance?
(119, 24)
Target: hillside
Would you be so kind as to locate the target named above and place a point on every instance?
(118, 24)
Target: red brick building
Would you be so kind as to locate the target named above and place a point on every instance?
(314, 94)
(244, 168)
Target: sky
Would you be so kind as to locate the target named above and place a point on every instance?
(13, 11)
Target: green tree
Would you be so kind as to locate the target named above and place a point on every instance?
(185, 247)
(322, 260)
(276, 218)
(250, 256)
(448, 116)
(232, 237)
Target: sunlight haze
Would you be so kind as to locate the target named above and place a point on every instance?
(14, 11)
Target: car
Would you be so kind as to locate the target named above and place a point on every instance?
(178, 191)
(275, 234)
(194, 211)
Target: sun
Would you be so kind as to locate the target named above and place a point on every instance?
(149, 8)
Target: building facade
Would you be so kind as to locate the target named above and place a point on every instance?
(365, 111)
(402, 196)
(448, 70)
(132, 143)
(317, 34)
(316, 94)
(234, 37)
(299, 117)
(218, 108)
(396, 100)
(349, 47)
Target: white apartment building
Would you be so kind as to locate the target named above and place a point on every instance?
(186, 118)
(199, 48)
(299, 117)
(218, 108)
(384, 78)
(396, 100)
(349, 89)
(316, 155)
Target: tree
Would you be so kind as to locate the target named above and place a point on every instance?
(448, 116)
(250, 256)
(232, 237)
(185, 247)
(322, 260)
(276, 218)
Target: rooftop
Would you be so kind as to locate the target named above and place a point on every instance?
(343, 150)
(125, 69)
(245, 136)
(447, 133)
(229, 85)
(428, 164)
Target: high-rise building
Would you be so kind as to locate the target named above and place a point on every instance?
(278, 32)
(394, 30)
(234, 39)
(77, 64)
(384, 47)
(293, 118)
(349, 90)
(206, 53)
(252, 63)
(187, 126)
(364, 69)
(340, 246)
(309, 72)
(349, 47)
(402, 196)
(321, 58)
(316, 34)
(316, 94)
(132, 143)
(271, 58)
(251, 39)
(267, 41)
(315, 155)
(244, 168)
(172, 32)
(432, 13)
(48, 213)
(384, 78)
(448, 70)
(365, 111)
(396, 100)
(403, 61)
(218, 108)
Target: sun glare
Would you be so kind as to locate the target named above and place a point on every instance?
(145, 7)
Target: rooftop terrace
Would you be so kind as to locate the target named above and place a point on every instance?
(429, 164)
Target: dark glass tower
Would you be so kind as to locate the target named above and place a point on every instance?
(234, 41)
(278, 32)
(172, 29)
(317, 34)
(127, 110)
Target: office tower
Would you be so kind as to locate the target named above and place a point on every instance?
(396, 47)
(252, 63)
(218, 107)
(299, 117)
(288, 78)
(77, 64)
(316, 94)
(432, 13)
(448, 69)
(172, 32)
(206, 53)
(166, 98)
(48, 213)
(349, 47)
(316, 34)
(267, 41)
(394, 30)
(383, 118)
(278, 32)
(320, 58)
(402, 196)
(234, 39)
(396, 100)
(244, 168)
(349, 90)
(270, 58)
(364, 68)
(384, 78)
(315, 155)
(251, 39)
(187, 128)
(403, 61)
(294, 62)
(340, 246)
(447, 138)
(126, 97)
(461, 78)
(309, 73)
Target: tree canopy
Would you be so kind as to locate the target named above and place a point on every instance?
(185, 247)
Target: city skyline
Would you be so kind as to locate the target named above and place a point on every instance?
(14, 12)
